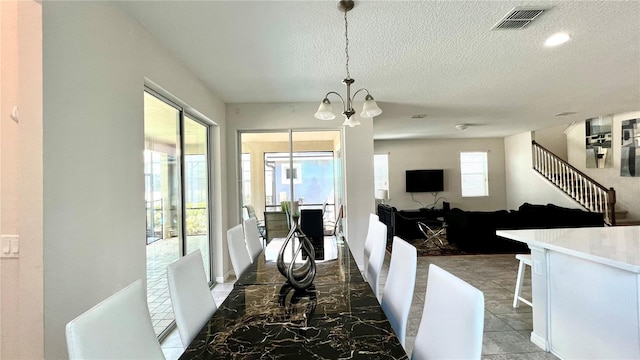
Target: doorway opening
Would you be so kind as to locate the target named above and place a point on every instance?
(300, 167)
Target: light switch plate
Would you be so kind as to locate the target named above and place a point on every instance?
(9, 246)
(537, 267)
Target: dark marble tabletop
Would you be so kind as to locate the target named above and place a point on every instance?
(335, 265)
(338, 317)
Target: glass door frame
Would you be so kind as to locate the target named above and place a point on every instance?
(338, 192)
(185, 112)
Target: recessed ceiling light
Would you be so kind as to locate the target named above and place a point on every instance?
(557, 39)
(565, 113)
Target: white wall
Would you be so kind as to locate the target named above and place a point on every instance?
(9, 152)
(358, 159)
(523, 183)
(553, 139)
(627, 188)
(443, 154)
(21, 283)
(96, 60)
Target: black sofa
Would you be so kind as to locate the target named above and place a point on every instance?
(475, 231)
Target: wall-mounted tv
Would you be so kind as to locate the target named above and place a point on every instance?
(425, 180)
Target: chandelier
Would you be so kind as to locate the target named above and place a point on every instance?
(369, 109)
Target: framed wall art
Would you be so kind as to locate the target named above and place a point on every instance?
(598, 138)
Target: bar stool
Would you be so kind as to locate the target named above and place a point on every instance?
(525, 259)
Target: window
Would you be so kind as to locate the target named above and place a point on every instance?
(474, 174)
(287, 176)
(381, 171)
(312, 176)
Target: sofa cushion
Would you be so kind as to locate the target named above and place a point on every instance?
(554, 216)
(475, 230)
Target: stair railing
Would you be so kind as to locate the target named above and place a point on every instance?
(583, 189)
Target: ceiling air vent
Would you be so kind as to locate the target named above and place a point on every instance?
(519, 18)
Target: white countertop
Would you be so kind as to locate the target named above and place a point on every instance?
(617, 246)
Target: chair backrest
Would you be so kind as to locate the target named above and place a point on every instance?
(251, 211)
(452, 321)
(378, 248)
(398, 289)
(191, 298)
(334, 228)
(368, 243)
(311, 224)
(252, 237)
(119, 327)
(276, 225)
(337, 225)
(240, 258)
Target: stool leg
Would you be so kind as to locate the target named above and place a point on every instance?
(519, 280)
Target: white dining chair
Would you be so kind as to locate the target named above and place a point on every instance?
(240, 258)
(252, 237)
(376, 258)
(452, 320)
(368, 243)
(119, 327)
(191, 297)
(398, 289)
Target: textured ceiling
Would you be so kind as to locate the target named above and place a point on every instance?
(438, 58)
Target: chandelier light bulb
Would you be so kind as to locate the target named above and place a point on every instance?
(370, 108)
(325, 111)
(351, 122)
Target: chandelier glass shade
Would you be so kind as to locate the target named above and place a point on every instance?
(369, 108)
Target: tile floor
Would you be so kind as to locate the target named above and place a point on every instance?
(506, 330)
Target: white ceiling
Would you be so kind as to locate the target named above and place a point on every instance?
(438, 58)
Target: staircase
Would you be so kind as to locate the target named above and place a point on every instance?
(623, 220)
(581, 188)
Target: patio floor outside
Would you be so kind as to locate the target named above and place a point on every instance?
(160, 254)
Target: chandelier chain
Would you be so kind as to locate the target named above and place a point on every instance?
(346, 48)
(369, 108)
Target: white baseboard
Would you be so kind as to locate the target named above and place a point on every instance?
(227, 275)
(540, 341)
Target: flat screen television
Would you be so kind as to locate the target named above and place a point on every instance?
(425, 180)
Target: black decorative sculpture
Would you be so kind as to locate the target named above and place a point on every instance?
(300, 277)
(292, 305)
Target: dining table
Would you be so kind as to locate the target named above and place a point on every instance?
(264, 317)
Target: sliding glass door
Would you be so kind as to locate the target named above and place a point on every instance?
(313, 154)
(176, 167)
(299, 166)
(196, 184)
